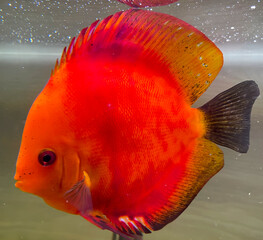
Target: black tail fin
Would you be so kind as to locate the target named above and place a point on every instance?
(228, 116)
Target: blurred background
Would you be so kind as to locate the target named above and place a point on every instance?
(33, 34)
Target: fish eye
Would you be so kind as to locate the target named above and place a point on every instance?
(46, 157)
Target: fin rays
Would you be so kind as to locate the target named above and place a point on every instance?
(227, 116)
(79, 195)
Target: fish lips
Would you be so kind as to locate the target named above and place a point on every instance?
(19, 184)
(19, 181)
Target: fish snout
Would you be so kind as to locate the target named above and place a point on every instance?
(20, 177)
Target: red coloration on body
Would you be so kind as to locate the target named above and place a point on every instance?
(129, 138)
(130, 152)
(147, 3)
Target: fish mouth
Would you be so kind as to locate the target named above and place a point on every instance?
(18, 183)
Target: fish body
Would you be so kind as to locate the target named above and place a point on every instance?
(147, 3)
(113, 137)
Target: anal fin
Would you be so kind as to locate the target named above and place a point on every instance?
(204, 163)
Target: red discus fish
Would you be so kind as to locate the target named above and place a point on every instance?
(147, 3)
(113, 137)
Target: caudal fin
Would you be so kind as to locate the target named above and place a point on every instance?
(227, 116)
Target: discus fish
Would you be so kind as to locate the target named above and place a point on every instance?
(113, 137)
(147, 3)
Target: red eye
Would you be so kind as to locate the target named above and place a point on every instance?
(46, 157)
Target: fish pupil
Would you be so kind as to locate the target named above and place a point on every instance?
(46, 158)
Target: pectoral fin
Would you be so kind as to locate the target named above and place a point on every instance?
(79, 195)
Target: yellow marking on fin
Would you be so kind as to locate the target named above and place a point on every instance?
(86, 179)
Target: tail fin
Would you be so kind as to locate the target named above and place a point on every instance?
(228, 116)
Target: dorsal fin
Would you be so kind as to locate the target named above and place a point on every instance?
(182, 50)
(74, 46)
